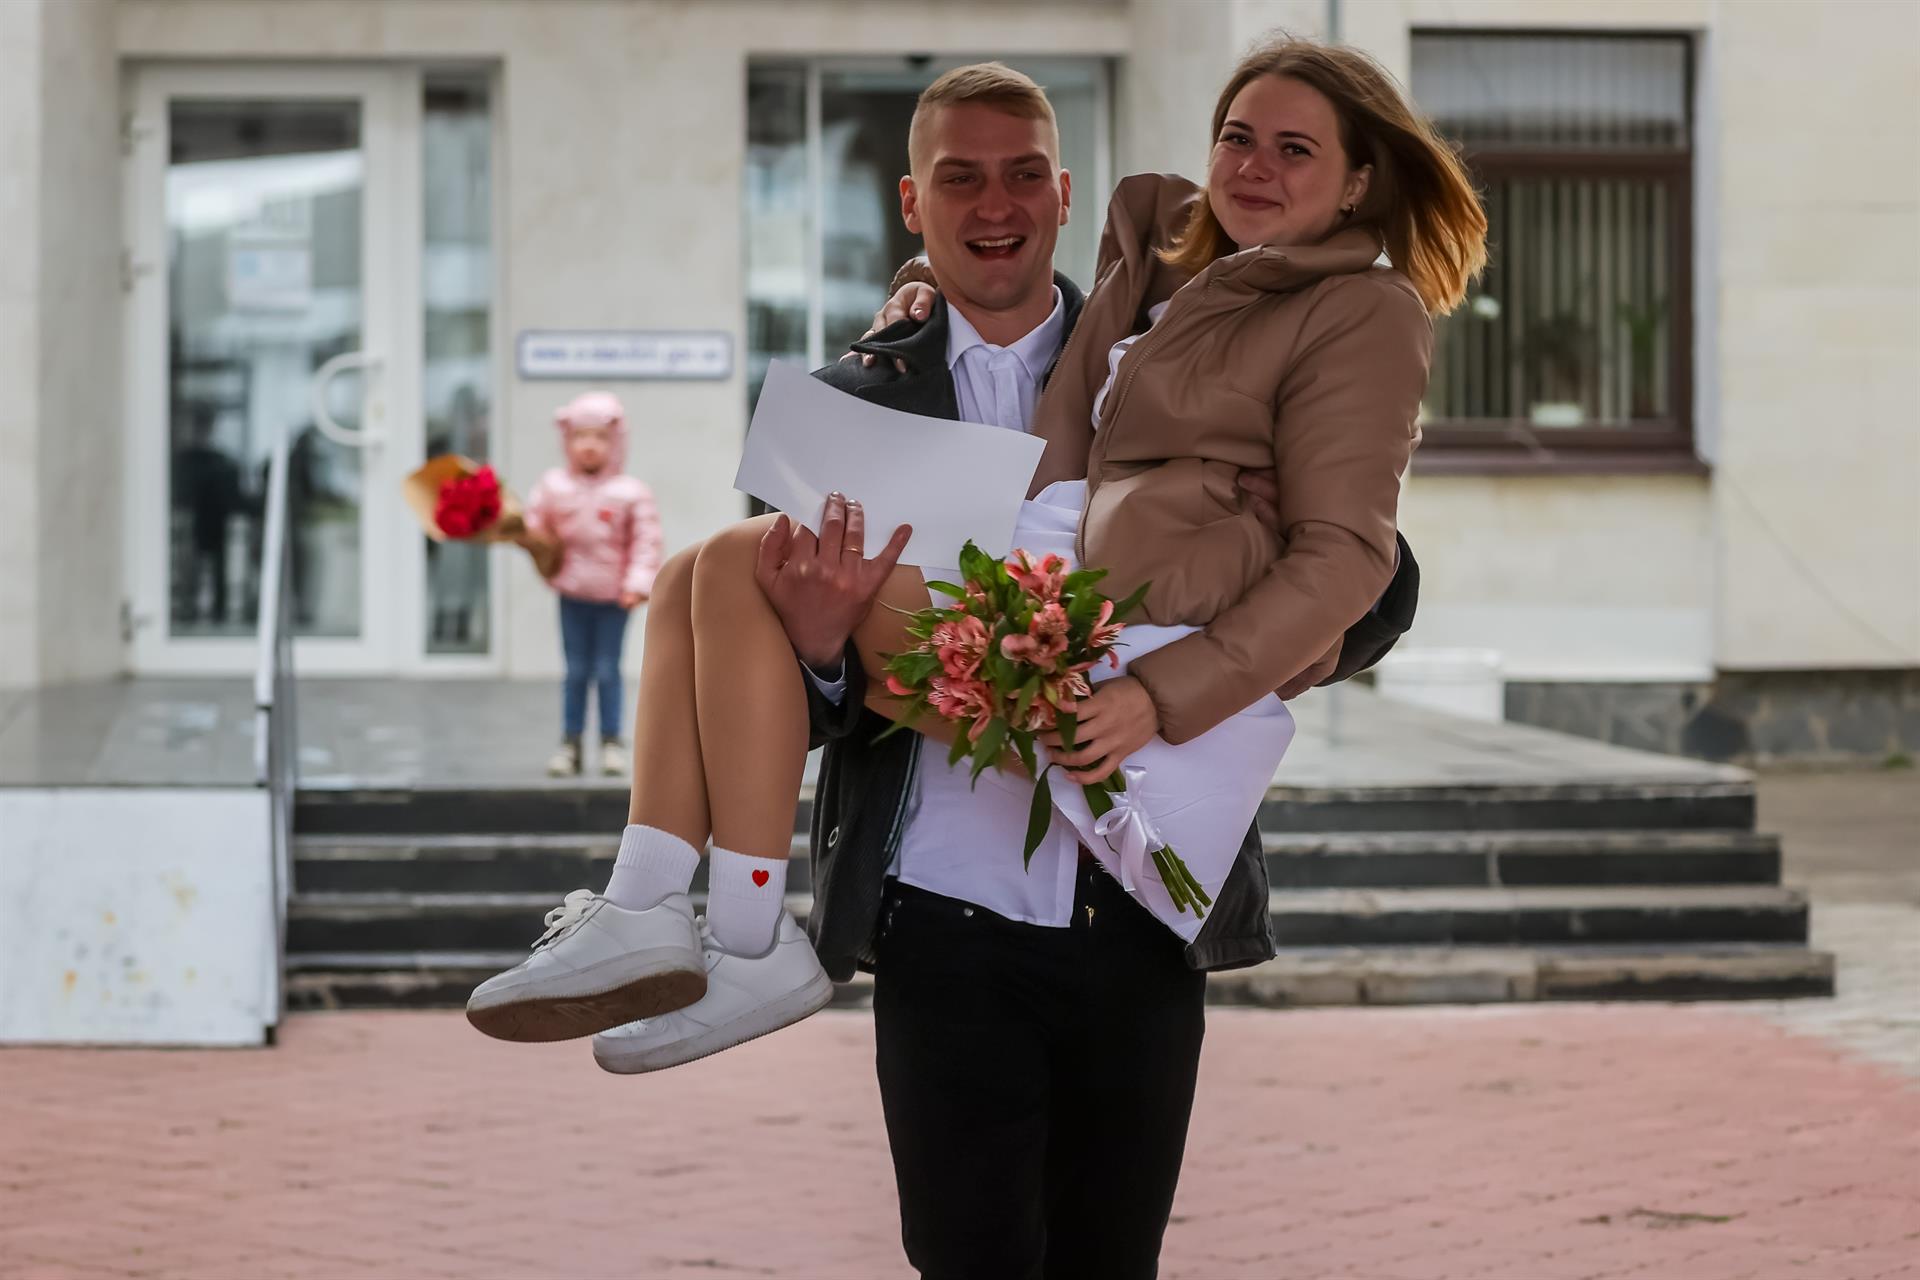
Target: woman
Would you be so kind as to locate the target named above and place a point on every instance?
(1243, 326)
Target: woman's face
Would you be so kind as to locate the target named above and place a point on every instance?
(1280, 174)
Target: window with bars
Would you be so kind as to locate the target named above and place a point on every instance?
(1578, 337)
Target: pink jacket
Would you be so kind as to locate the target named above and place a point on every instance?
(607, 523)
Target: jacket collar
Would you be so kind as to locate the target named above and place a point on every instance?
(922, 345)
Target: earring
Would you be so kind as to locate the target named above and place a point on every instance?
(1346, 211)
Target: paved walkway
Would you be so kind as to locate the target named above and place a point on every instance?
(199, 732)
(1705, 1142)
(1508, 1144)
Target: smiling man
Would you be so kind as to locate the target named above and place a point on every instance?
(1037, 1031)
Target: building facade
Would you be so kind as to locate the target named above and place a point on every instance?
(1672, 446)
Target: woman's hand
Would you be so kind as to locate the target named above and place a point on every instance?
(631, 600)
(1113, 722)
(913, 301)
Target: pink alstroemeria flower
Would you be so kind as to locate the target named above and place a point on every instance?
(1040, 717)
(1066, 689)
(1044, 577)
(963, 700)
(1105, 633)
(962, 645)
(1034, 650)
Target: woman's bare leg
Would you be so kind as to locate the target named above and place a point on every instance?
(752, 709)
(669, 783)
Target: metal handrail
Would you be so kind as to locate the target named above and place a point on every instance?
(276, 745)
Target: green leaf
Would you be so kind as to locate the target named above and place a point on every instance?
(958, 752)
(1099, 799)
(1039, 817)
(946, 589)
(987, 750)
(1069, 724)
(1132, 602)
(1028, 692)
(1023, 743)
(1080, 579)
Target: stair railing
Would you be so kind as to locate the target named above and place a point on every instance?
(276, 744)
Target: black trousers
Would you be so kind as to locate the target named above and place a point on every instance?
(1036, 1083)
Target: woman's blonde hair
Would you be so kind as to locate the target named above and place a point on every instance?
(1419, 199)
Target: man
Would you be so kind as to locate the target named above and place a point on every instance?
(1037, 1034)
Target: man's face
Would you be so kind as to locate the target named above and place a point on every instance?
(989, 197)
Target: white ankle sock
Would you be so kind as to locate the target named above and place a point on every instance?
(652, 864)
(745, 896)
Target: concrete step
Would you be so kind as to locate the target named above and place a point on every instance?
(1296, 978)
(437, 922)
(1407, 859)
(530, 863)
(1308, 976)
(596, 808)
(1538, 916)
(1397, 859)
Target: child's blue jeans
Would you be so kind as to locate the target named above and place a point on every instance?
(591, 633)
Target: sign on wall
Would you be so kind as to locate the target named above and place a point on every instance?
(599, 355)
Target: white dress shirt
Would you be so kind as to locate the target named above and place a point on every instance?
(959, 840)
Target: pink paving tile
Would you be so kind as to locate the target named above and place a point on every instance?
(1532, 1144)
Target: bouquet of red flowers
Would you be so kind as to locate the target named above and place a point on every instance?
(1009, 661)
(455, 497)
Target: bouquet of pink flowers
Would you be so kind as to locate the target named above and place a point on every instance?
(1009, 661)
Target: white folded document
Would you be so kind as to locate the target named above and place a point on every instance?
(952, 481)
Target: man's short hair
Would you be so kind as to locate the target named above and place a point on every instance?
(992, 84)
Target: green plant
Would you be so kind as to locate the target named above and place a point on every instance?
(1643, 326)
(1556, 347)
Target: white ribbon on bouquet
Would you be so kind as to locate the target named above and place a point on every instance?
(1134, 827)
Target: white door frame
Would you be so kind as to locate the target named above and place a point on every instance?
(393, 585)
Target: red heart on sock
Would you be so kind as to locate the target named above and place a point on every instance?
(760, 878)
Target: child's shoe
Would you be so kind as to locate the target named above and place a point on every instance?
(747, 997)
(565, 763)
(615, 760)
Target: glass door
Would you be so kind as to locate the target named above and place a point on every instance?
(273, 292)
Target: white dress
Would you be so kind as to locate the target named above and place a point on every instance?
(1197, 798)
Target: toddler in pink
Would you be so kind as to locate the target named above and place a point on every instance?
(609, 532)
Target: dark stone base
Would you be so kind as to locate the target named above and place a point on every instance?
(1748, 717)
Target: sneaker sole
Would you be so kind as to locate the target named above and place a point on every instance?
(545, 1019)
(763, 1021)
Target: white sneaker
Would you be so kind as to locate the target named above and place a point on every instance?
(597, 965)
(615, 762)
(747, 997)
(564, 763)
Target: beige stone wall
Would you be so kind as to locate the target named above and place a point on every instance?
(1817, 484)
(59, 344)
(20, 343)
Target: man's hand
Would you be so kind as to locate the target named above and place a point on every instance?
(822, 587)
(1263, 497)
(631, 600)
(1113, 722)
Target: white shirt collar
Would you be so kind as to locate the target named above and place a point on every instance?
(1035, 351)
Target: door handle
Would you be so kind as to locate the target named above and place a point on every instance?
(323, 379)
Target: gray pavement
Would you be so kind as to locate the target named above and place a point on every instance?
(182, 732)
(1852, 840)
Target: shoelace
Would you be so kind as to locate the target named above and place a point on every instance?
(568, 914)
